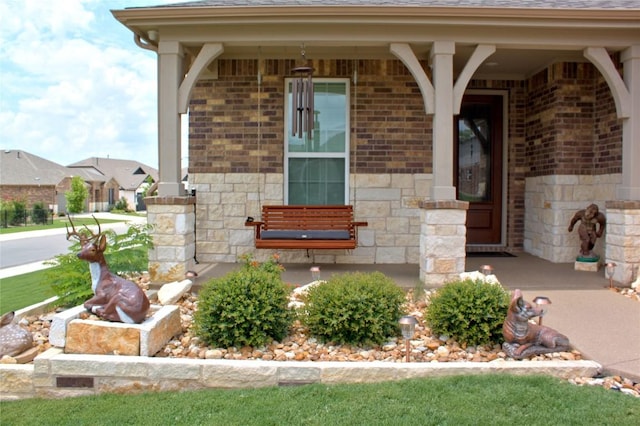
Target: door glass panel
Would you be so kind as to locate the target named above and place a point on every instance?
(474, 154)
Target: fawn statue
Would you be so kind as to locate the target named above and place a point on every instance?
(13, 339)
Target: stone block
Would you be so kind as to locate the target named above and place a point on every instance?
(16, 379)
(240, 374)
(58, 330)
(587, 266)
(113, 338)
(101, 338)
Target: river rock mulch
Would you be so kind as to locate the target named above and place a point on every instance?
(299, 346)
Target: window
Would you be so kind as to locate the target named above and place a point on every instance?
(316, 169)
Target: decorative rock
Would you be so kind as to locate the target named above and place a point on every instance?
(172, 292)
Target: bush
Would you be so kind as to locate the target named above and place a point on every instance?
(70, 277)
(6, 213)
(247, 307)
(471, 312)
(39, 214)
(19, 213)
(122, 206)
(354, 308)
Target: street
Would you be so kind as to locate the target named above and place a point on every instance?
(34, 249)
(27, 248)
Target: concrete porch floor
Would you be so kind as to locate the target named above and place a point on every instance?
(602, 324)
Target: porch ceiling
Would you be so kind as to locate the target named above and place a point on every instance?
(509, 64)
(526, 40)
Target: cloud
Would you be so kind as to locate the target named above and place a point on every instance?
(74, 85)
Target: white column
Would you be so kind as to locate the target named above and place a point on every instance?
(169, 150)
(630, 188)
(442, 62)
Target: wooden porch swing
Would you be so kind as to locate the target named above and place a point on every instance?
(304, 226)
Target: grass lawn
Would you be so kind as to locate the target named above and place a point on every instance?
(57, 223)
(459, 400)
(24, 290)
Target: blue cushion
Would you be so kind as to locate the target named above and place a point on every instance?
(305, 235)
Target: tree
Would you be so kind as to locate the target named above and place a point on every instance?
(77, 195)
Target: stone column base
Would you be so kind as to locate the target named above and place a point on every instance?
(173, 233)
(443, 238)
(623, 239)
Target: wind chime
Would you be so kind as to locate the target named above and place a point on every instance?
(302, 118)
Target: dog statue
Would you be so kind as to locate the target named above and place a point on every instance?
(523, 338)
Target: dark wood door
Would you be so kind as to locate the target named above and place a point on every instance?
(478, 174)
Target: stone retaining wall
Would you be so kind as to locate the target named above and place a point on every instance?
(56, 375)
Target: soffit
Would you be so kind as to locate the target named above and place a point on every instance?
(527, 39)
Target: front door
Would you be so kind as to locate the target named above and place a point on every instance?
(478, 171)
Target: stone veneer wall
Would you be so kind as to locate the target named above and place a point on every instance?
(623, 239)
(173, 233)
(388, 202)
(551, 201)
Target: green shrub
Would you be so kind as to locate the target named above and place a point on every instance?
(39, 214)
(6, 213)
(471, 312)
(354, 308)
(247, 307)
(122, 206)
(19, 216)
(70, 278)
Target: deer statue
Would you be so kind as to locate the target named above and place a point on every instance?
(115, 298)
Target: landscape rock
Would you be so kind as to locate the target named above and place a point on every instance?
(172, 292)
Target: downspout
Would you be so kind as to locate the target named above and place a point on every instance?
(146, 44)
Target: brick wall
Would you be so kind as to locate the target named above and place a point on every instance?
(607, 147)
(571, 124)
(31, 194)
(391, 131)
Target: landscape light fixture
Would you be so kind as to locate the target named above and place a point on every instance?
(541, 301)
(407, 328)
(486, 270)
(609, 270)
(315, 273)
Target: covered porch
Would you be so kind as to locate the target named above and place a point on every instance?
(227, 67)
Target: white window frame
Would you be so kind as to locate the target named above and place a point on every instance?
(347, 130)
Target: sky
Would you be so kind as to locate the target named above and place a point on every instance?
(73, 83)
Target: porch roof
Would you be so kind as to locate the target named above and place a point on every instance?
(528, 36)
